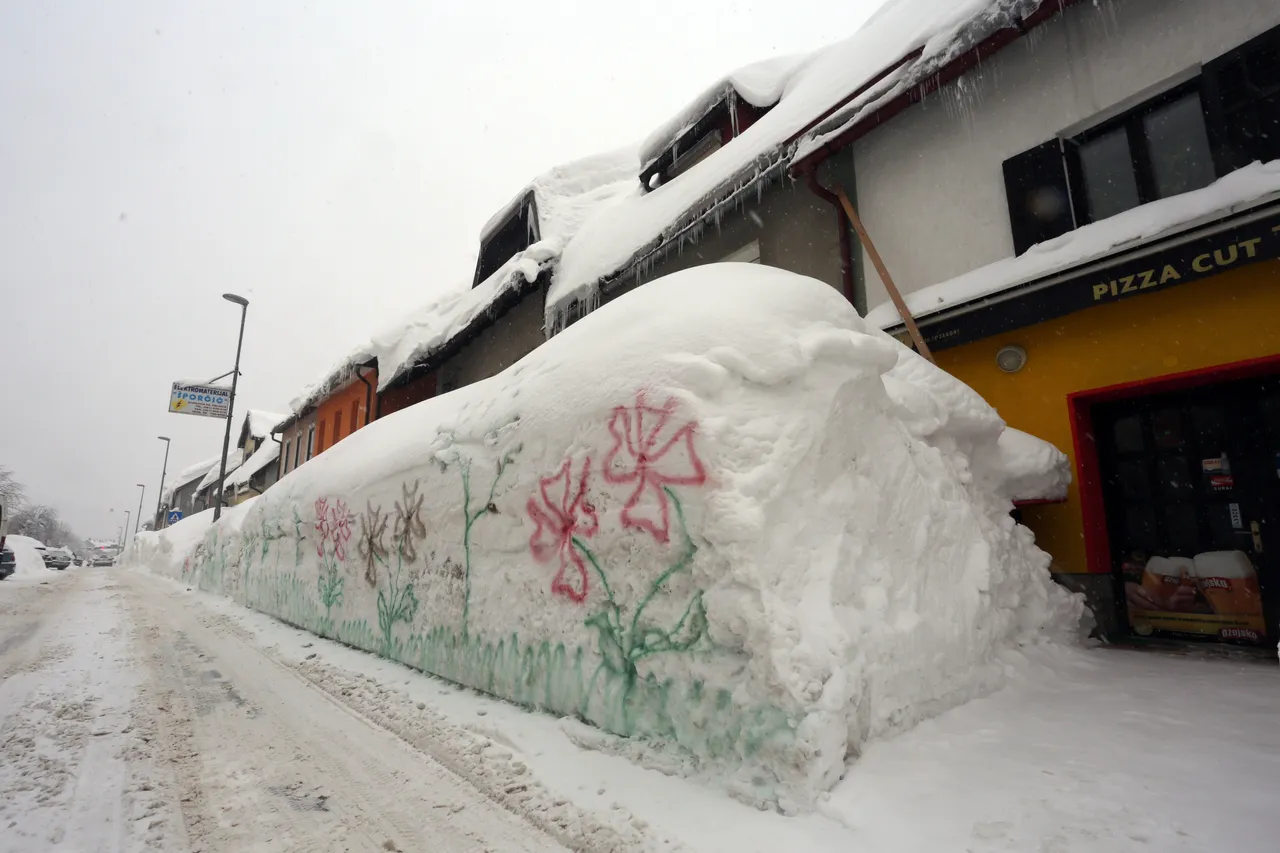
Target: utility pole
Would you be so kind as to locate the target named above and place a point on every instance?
(138, 520)
(160, 518)
(235, 375)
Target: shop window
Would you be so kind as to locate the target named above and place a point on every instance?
(1128, 434)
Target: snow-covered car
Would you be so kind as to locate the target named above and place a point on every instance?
(56, 558)
(8, 563)
(103, 558)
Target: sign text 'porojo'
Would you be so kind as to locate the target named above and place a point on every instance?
(209, 401)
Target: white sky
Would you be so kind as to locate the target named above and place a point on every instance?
(331, 161)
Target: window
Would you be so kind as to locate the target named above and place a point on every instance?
(284, 457)
(311, 441)
(320, 439)
(355, 408)
(503, 240)
(748, 254)
(702, 149)
(1242, 98)
(337, 426)
(1157, 150)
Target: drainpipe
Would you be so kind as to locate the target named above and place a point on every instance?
(368, 395)
(842, 228)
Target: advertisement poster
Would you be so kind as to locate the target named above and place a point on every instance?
(1214, 594)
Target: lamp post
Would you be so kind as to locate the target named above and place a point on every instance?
(138, 521)
(231, 404)
(160, 519)
(124, 531)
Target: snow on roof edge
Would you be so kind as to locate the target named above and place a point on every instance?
(1253, 186)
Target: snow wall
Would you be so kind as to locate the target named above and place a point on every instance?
(721, 517)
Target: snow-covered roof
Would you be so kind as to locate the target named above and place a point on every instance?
(186, 476)
(265, 455)
(566, 196)
(261, 422)
(234, 460)
(902, 44)
(1244, 188)
(759, 84)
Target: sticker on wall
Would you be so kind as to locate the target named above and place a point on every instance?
(1237, 523)
(1222, 482)
(1217, 465)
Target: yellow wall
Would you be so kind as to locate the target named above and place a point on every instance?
(1230, 317)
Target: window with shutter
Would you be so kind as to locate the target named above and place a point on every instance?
(1035, 183)
(1242, 101)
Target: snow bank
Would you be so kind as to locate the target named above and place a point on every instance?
(721, 517)
(29, 561)
(1237, 191)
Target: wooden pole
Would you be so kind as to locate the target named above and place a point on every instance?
(878, 263)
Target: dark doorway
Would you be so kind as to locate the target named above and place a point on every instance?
(1191, 488)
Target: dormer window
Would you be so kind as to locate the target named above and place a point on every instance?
(725, 118)
(506, 236)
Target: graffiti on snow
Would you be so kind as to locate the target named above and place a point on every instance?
(333, 531)
(560, 512)
(651, 453)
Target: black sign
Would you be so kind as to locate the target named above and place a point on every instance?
(1031, 303)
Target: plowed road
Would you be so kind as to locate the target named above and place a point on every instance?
(129, 723)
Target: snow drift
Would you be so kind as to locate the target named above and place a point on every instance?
(27, 559)
(722, 516)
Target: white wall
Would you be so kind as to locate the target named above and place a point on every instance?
(930, 184)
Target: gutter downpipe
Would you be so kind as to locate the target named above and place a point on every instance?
(842, 226)
(368, 394)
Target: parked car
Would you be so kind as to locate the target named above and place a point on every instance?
(56, 558)
(103, 558)
(8, 563)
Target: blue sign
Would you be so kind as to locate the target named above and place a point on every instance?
(174, 516)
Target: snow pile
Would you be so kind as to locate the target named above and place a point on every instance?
(1237, 191)
(905, 41)
(762, 536)
(28, 559)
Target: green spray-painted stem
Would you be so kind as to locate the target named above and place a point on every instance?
(470, 518)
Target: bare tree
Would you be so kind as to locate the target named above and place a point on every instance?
(12, 493)
(42, 522)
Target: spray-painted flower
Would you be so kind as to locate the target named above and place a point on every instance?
(322, 524)
(561, 511)
(339, 529)
(650, 452)
(373, 527)
(409, 529)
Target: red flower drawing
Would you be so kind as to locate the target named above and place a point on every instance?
(560, 513)
(322, 523)
(339, 529)
(651, 452)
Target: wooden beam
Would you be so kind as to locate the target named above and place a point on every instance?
(878, 263)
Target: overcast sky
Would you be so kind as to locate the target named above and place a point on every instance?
(330, 160)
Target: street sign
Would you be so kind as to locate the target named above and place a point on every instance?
(194, 398)
(174, 516)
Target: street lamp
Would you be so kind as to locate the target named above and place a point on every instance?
(235, 375)
(137, 521)
(160, 519)
(124, 531)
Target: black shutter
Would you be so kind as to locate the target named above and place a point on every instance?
(1039, 204)
(1242, 103)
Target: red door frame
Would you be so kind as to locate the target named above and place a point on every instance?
(1097, 544)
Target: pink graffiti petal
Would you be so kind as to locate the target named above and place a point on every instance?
(679, 462)
(647, 510)
(562, 584)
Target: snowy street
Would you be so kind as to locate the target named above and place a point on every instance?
(136, 714)
(128, 723)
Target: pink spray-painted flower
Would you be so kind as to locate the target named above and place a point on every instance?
(339, 529)
(322, 524)
(561, 511)
(650, 451)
